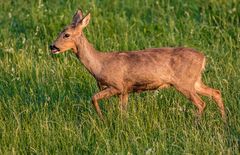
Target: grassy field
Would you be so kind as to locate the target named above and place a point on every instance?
(45, 103)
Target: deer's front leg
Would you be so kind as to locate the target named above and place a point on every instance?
(108, 92)
(123, 101)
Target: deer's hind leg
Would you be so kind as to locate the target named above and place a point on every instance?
(191, 94)
(202, 89)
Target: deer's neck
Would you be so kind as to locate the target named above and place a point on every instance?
(88, 55)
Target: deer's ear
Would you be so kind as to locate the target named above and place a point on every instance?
(85, 20)
(77, 17)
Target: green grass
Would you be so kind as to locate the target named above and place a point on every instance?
(45, 103)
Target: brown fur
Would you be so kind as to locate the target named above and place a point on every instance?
(119, 73)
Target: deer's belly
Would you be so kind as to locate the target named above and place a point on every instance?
(147, 86)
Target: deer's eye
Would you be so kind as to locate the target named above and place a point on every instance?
(66, 35)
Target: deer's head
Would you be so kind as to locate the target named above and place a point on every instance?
(68, 37)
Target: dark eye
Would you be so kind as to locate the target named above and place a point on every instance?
(66, 35)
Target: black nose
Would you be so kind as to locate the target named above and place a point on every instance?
(52, 47)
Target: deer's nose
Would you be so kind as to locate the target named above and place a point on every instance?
(51, 47)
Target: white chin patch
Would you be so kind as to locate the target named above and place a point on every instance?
(56, 52)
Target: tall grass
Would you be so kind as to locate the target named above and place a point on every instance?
(45, 99)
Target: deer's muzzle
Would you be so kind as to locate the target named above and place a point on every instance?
(54, 49)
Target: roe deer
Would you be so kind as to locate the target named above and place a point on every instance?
(119, 73)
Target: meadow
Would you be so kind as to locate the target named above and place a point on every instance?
(45, 99)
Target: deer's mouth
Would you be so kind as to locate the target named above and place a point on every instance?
(54, 49)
